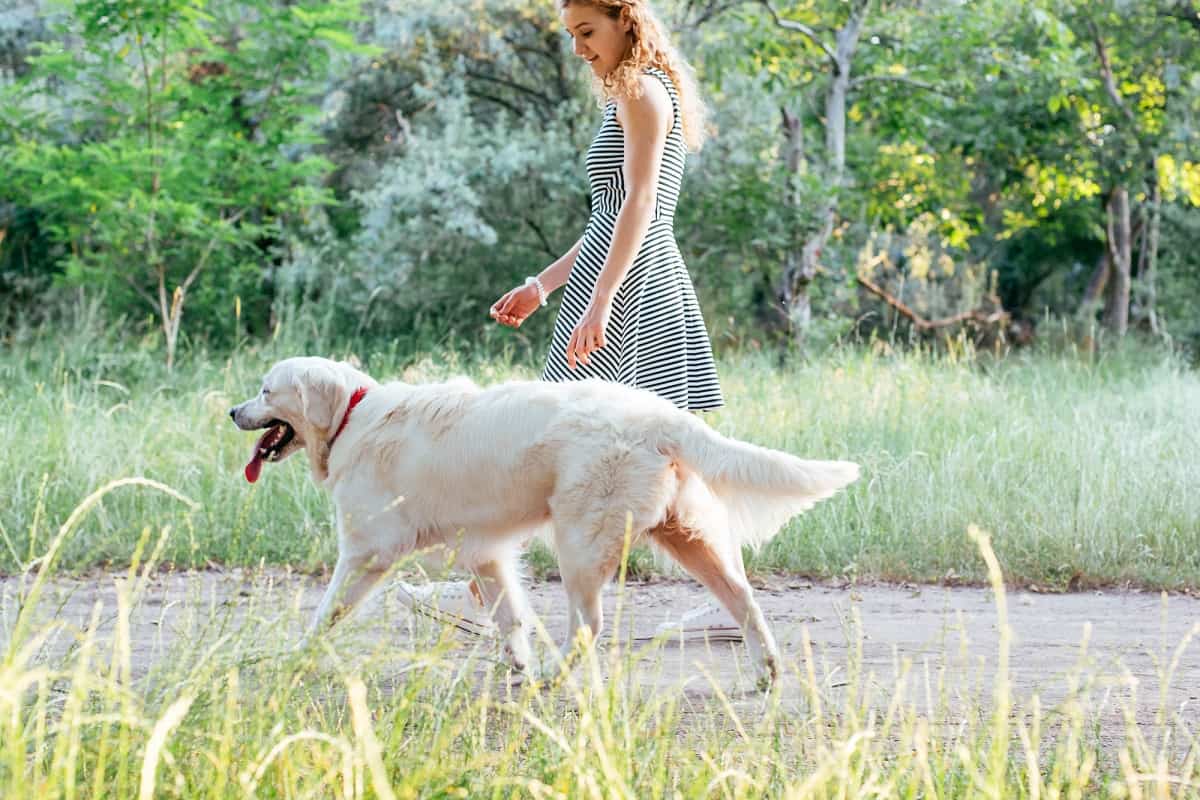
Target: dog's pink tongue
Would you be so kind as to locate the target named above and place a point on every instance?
(254, 467)
(256, 458)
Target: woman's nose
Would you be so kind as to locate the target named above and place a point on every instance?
(579, 48)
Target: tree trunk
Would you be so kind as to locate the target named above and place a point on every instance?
(1094, 293)
(1116, 305)
(1147, 291)
(798, 270)
(793, 148)
(800, 266)
(795, 160)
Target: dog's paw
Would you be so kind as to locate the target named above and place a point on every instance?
(547, 672)
(768, 674)
(516, 654)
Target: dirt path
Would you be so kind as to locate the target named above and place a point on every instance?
(1131, 634)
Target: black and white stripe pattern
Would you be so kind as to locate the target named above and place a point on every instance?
(656, 338)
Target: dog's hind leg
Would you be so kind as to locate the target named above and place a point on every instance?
(584, 584)
(586, 561)
(613, 490)
(503, 595)
(720, 568)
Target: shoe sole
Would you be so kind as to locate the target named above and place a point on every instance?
(695, 635)
(461, 623)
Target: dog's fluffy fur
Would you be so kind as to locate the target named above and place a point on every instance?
(482, 470)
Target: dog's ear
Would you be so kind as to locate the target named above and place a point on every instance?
(324, 395)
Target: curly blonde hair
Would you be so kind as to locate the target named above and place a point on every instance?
(651, 48)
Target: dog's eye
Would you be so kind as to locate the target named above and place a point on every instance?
(265, 391)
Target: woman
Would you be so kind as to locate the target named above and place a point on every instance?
(629, 312)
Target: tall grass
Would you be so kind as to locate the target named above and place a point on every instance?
(230, 711)
(1084, 467)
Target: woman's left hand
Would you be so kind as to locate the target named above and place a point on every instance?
(588, 335)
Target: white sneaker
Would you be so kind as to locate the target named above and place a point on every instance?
(451, 602)
(709, 622)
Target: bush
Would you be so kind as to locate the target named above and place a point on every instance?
(176, 149)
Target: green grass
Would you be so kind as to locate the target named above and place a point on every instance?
(1078, 467)
(229, 712)
(1084, 469)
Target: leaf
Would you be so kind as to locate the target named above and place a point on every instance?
(340, 38)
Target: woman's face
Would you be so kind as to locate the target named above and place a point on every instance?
(600, 40)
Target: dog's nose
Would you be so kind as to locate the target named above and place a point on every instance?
(233, 414)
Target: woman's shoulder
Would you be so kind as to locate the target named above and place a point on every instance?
(656, 75)
(654, 93)
(651, 109)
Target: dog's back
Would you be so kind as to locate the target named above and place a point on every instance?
(759, 487)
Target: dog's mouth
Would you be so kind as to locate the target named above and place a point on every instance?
(269, 447)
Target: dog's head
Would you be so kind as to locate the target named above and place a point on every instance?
(301, 405)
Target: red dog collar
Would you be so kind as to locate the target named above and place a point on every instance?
(355, 399)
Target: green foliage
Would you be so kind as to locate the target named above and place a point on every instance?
(401, 187)
(472, 178)
(179, 148)
(1179, 278)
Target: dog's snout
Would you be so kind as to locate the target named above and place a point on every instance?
(233, 413)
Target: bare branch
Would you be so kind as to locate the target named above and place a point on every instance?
(142, 293)
(212, 243)
(405, 128)
(976, 315)
(541, 236)
(514, 85)
(929, 87)
(500, 101)
(800, 27)
(711, 10)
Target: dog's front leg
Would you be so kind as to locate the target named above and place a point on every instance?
(504, 597)
(353, 578)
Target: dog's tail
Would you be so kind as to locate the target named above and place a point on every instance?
(761, 488)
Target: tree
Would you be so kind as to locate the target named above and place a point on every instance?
(179, 147)
(1125, 95)
(904, 61)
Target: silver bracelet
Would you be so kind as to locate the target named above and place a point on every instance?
(541, 290)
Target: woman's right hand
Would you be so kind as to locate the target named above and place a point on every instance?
(515, 307)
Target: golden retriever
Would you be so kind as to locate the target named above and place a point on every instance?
(481, 470)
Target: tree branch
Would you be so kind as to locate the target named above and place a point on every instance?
(976, 315)
(212, 243)
(711, 10)
(929, 87)
(511, 84)
(522, 52)
(500, 101)
(1110, 85)
(801, 28)
(541, 236)
(142, 293)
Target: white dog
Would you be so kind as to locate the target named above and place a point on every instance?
(482, 470)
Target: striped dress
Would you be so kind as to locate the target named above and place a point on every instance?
(656, 338)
